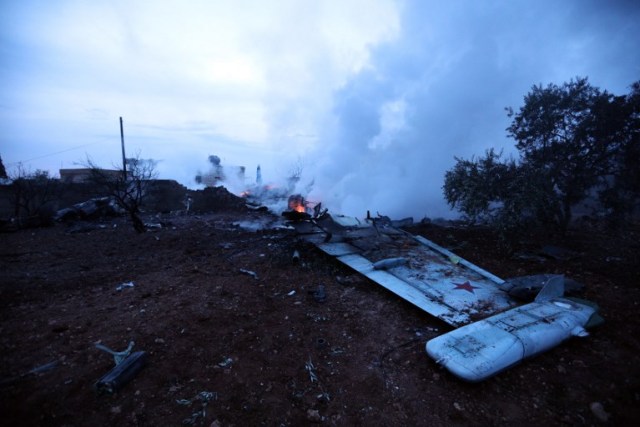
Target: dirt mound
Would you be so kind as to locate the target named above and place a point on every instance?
(216, 199)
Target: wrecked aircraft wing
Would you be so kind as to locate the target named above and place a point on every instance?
(460, 293)
(430, 277)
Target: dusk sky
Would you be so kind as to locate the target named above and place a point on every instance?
(371, 98)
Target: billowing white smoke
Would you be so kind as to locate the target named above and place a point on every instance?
(439, 90)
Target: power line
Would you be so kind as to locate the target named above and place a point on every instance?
(52, 154)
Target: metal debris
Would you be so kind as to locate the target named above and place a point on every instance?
(312, 371)
(43, 368)
(319, 295)
(118, 356)
(226, 362)
(249, 273)
(37, 370)
(124, 286)
(122, 373)
(525, 288)
(204, 397)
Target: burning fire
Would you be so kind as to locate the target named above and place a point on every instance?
(297, 203)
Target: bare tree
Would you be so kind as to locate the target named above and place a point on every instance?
(127, 188)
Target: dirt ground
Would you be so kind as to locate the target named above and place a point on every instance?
(228, 347)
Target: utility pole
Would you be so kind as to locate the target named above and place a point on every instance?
(124, 159)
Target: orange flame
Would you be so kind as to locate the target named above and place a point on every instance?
(297, 203)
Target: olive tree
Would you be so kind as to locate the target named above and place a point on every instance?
(574, 141)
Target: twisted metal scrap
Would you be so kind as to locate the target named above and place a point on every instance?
(118, 356)
(312, 371)
(205, 397)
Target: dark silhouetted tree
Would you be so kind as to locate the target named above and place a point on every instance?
(33, 195)
(3, 171)
(564, 133)
(573, 140)
(620, 190)
(477, 186)
(128, 190)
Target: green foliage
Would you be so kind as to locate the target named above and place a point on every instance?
(573, 139)
(475, 186)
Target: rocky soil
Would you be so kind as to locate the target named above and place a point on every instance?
(235, 336)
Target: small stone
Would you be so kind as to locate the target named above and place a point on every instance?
(116, 409)
(457, 406)
(159, 341)
(313, 415)
(598, 410)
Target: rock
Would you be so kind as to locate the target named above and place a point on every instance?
(598, 410)
(313, 415)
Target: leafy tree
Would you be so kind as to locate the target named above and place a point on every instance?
(566, 135)
(477, 186)
(620, 191)
(129, 188)
(573, 139)
(499, 192)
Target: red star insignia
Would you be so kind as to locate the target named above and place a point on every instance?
(466, 286)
